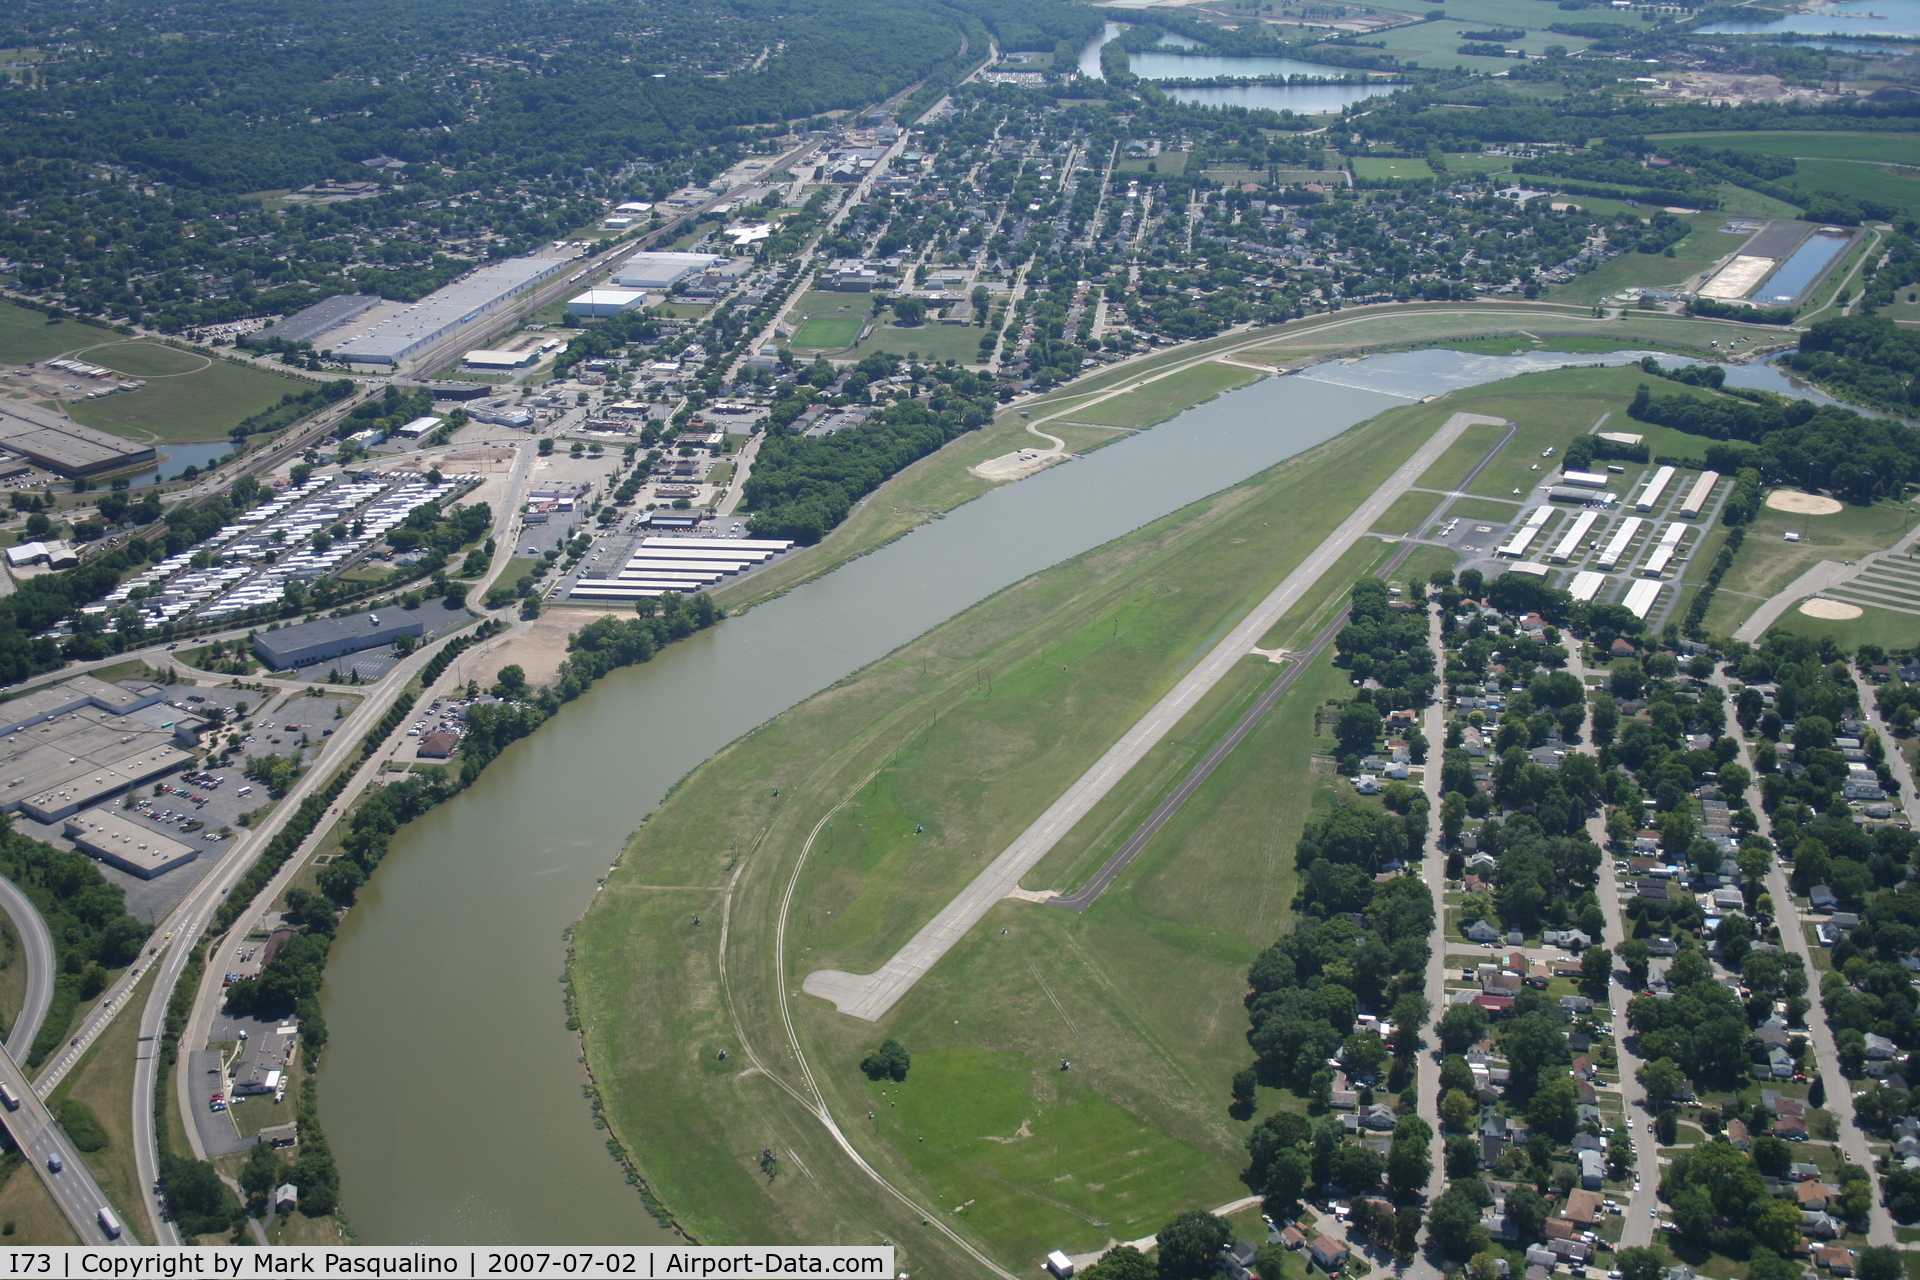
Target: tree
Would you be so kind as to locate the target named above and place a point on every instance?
(1639, 1264)
(1527, 1211)
(1456, 1111)
(1461, 1027)
(889, 1062)
(1636, 955)
(1357, 728)
(1771, 1156)
(1879, 1262)
(263, 1172)
(1243, 1090)
(510, 681)
(910, 311)
(1596, 973)
(1410, 1158)
(1287, 1178)
(1124, 1262)
(1453, 1224)
(1661, 1078)
(1190, 1244)
(1777, 1225)
(1456, 1074)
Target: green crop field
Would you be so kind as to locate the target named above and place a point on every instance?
(1854, 178)
(1890, 148)
(829, 333)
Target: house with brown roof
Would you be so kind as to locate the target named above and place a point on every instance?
(1834, 1258)
(1498, 1006)
(1539, 973)
(1583, 1207)
(1582, 1068)
(1561, 1229)
(1737, 1134)
(438, 745)
(1293, 1237)
(1791, 1128)
(1327, 1254)
(1501, 984)
(1812, 1196)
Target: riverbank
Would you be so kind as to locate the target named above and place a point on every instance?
(945, 480)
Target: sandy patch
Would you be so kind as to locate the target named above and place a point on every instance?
(1017, 465)
(538, 647)
(1833, 610)
(1802, 504)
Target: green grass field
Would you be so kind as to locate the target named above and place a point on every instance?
(829, 333)
(1407, 514)
(198, 404)
(147, 359)
(1766, 562)
(930, 341)
(1436, 44)
(1887, 628)
(1702, 250)
(1160, 400)
(29, 336)
(1481, 15)
(1739, 200)
(1377, 167)
(1474, 162)
(1149, 980)
(1888, 148)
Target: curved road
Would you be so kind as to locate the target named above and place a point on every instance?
(36, 946)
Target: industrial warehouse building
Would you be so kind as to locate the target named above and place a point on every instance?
(446, 311)
(135, 849)
(82, 741)
(322, 317)
(658, 270)
(311, 642)
(59, 444)
(598, 304)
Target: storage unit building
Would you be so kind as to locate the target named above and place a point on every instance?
(1564, 550)
(1583, 479)
(1663, 553)
(1656, 488)
(1523, 537)
(1641, 595)
(1616, 548)
(1696, 500)
(1586, 585)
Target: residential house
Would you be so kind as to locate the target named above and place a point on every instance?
(1481, 931)
(1812, 1196)
(1496, 1006)
(1574, 1252)
(1539, 973)
(1572, 1007)
(1327, 1254)
(1539, 1257)
(1583, 1207)
(1821, 898)
(1293, 1237)
(1502, 984)
(1790, 1128)
(1379, 1116)
(1820, 1225)
(1880, 1048)
(1800, 1171)
(1561, 1229)
(1582, 1068)
(1834, 1258)
(1593, 1169)
(1737, 1134)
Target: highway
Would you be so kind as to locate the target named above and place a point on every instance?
(31, 1125)
(36, 952)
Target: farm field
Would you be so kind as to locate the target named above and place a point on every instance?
(1152, 975)
(1528, 14)
(1888, 148)
(1854, 178)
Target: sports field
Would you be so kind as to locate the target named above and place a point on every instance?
(1766, 562)
(1390, 167)
(828, 333)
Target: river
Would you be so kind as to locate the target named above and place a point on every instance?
(452, 1090)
